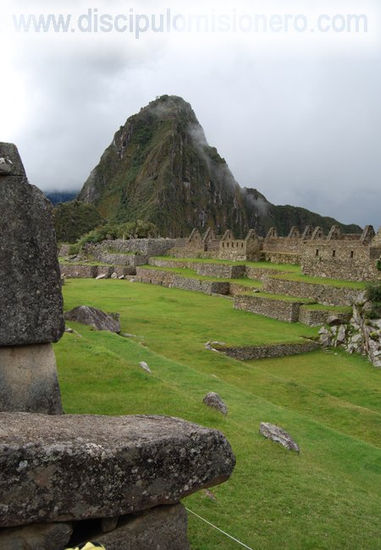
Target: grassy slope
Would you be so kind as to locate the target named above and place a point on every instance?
(328, 497)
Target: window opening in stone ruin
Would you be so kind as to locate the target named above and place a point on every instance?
(333, 253)
(352, 254)
(317, 252)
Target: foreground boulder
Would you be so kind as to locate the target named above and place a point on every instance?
(277, 434)
(30, 285)
(60, 468)
(94, 317)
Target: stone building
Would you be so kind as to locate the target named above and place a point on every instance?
(354, 257)
(247, 249)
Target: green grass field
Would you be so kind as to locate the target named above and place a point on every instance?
(328, 497)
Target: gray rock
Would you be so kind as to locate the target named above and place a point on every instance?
(61, 468)
(28, 379)
(94, 317)
(51, 536)
(145, 366)
(164, 527)
(277, 434)
(341, 334)
(30, 285)
(101, 276)
(213, 400)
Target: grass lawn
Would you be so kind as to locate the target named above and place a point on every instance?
(328, 497)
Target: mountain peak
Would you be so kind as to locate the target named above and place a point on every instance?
(160, 168)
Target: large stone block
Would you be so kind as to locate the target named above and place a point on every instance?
(163, 528)
(60, 468)
(28, 379)
(30, 289)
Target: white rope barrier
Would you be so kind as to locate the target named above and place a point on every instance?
(220, 530)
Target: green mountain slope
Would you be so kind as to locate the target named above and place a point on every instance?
(160, 168)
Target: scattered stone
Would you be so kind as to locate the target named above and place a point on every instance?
(114, 275)
(28, 379)
(341, 334)
(93, 317)
(30, 279)
(51, 536)
(69, 330)
(102, 276)
(213, 400)
(109, 524)
(210, 345)
(121, 277)
(164, 527)
(66, 467)
(127, 335)
(210, 495)
(273, 432)
(145, 366)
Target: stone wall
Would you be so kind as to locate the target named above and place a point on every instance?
(83, 271)
(221, 270)
(80, 271)
(170, 279)
(260, 273)
(248, 353)
(318, 317)
(282, 258)
(283, 310)
(322, 294)
(339, 259)
(143, 247)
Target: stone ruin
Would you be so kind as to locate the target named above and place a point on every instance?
(355, 257)
(65, 479)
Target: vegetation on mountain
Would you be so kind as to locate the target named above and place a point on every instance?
(73, 219)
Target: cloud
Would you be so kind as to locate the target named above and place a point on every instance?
(297, 117)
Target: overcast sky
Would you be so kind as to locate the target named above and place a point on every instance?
(295, 113)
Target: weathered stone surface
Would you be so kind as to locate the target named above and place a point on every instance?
(277, 434)
(60, 468)
(94, 317)
(213, 400)
(28, 379)
(30, 286)
(51, 536)
(10, 161)
(163, 528)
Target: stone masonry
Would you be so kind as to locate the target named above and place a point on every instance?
(30, 293)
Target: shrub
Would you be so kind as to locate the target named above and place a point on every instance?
(130, 230)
